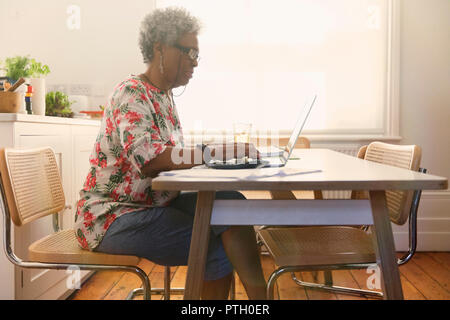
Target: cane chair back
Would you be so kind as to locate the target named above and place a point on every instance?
(303, 143)
(359, 194)
(362, 152)
(32, 184)
(407, 157)
(33, 189)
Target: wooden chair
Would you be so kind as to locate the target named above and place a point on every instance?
(329, 248)
(31, 189)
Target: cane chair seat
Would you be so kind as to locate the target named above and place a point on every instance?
(314, 246)
(333, 247)
(62, 247)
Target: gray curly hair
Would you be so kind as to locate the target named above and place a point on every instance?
(165, 26)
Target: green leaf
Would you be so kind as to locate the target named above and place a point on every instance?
(117, 178)
(98, 238)
(86, 208)
(124, 108)
(125, 198)
(58, 104)
(37, 69)
(110, 186)
(80, 234)
(161, 121)
(140, 159)
(112, 208)
(24, 67)
(116, 150)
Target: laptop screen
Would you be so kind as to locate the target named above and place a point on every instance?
(304, 113)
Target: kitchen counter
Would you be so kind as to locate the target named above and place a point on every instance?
(19, 117)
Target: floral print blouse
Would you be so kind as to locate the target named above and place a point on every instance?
(139, 122)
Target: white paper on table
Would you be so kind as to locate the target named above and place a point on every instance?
(244, 174)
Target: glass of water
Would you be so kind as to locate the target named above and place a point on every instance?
(241, 132)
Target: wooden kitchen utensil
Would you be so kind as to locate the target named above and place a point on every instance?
(16, 85)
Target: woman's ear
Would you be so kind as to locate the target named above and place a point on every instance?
(157, 47)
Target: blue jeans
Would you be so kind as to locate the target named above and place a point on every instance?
(163, 235)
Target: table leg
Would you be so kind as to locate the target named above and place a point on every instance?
(289, 195)
(384, 247)
(199, 245)
(282, 195)
(318, 195)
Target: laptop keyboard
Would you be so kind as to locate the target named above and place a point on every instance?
(243, 163)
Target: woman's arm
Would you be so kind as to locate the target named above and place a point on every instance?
(169, 160)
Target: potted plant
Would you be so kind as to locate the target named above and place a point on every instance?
(58, 105)
(26, 67)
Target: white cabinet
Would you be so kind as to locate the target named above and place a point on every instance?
(72, 141)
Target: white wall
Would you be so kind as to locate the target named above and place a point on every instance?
(425, 107)
(101, 53)
(425, 80)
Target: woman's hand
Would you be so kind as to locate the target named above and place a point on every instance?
(178, 158)
(229, 151)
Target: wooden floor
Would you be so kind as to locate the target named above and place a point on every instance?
(426, 276)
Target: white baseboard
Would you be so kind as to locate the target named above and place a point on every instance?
(60, 291)
(433, 223)
(426, 241)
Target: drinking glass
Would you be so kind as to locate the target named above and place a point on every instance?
(241, 132)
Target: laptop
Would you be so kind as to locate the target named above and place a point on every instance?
(274, 160)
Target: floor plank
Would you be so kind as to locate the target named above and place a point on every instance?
(421, 279)
(409, 291)
(440, 273)
(344, 278)
(178, 281)
(241, 294)
(315, 294)
(268, 267)
(361, 277)
(128, 282)
(441, 257)
(98, 286)
(157, 280)
(426, 276)
(289, 290)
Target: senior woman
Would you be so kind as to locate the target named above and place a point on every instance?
(118, 212)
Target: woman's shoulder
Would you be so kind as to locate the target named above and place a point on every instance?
(130, 89)
(132, 84)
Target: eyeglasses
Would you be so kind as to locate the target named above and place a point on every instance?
(190, 52)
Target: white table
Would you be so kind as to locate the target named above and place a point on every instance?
(337, 172)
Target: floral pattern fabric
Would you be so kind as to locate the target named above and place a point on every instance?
(139, 122)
